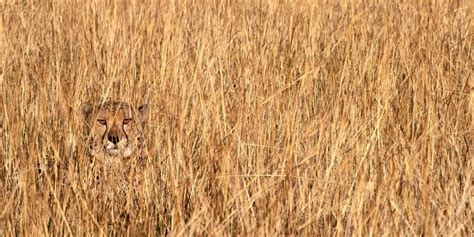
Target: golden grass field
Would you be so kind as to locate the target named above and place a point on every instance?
(323, 118)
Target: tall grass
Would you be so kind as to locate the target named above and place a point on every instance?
(267, 117)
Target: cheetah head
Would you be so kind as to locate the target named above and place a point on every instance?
(115, 128)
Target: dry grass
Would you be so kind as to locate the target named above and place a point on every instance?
(289, 117)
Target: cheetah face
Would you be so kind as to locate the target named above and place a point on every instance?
(115, 128)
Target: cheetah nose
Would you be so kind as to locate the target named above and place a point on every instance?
(114, 139)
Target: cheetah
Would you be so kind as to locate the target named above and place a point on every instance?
(114, 129)
(116, 154)
(114, 143)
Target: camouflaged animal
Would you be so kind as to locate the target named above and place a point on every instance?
(115, 129)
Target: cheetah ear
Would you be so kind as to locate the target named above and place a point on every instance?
(143, 111)
(86, 109)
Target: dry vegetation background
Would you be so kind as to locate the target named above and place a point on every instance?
(288, 117)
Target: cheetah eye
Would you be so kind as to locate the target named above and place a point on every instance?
(126, 121)
(102, 121)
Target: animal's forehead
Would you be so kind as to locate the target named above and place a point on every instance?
(114, 105)
(114, 109)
